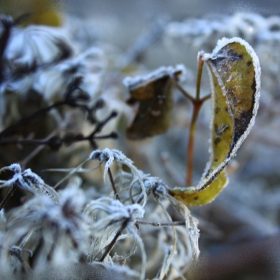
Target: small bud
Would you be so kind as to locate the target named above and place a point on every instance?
(55, 143)
(114, 114)
(114, 135)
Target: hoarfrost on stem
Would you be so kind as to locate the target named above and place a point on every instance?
(28, 181)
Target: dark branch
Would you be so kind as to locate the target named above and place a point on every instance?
(56, 142)
(73, 97)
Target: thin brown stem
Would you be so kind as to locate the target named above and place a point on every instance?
(111, 245)
(155, 224)
(205, 98)
(182, 90)
(199, 75)
(197, 103)
(113, 184)
(196, 109)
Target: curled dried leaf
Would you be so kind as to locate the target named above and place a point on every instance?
(234, 72)
(154, 96)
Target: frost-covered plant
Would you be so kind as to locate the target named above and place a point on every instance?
(123, 227)
(60, 227)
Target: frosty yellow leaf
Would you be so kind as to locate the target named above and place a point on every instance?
(154, 96)
(234, 72)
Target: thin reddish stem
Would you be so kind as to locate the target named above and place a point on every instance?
(197, 103)
(196, 109)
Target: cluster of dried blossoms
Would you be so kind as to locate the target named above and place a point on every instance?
(109, 233)
(67, 227)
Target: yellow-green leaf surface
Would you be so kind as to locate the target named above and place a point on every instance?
(235, 77)
(42, 12)
(154, 96)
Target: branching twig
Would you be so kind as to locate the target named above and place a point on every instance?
(55, 142)
(70, 100)
(197, 102)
